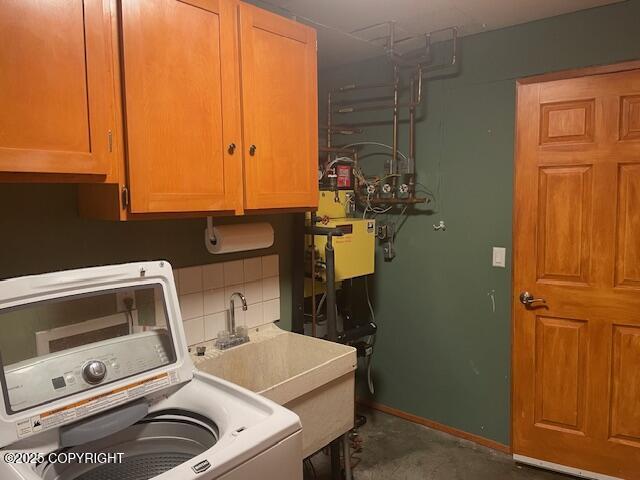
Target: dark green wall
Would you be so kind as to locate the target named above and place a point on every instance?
(40, 231)
(442, 353)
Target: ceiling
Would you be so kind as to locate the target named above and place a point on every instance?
(334, 19)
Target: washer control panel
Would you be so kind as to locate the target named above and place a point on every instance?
(56, 375)
(94, 372)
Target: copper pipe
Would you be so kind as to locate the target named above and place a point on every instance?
(348, 103)
(347, 151)
(397, 201)
(393, 166)
(354, 86)
(371, 108)
(412, 130)
(341, 129)
(368, 27)
(454, 52)
(418, 100)
(329, 120)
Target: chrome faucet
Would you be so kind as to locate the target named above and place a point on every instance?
(232, 310)
(235, 335)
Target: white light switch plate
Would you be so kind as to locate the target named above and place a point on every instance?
(499, 257)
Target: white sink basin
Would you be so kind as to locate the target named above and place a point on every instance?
(312, 377)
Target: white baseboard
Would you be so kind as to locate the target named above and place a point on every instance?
(562, 468)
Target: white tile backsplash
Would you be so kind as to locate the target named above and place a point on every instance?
(253, 292)
(204, 293)
(194, 330)
(214, 301)
(254, 315)
(191, 306)
(270, 266)
(213, 324)
(233, 272)
(271, 288)
(252, 269)
(190, 280)
(212, 276)
(271, 311)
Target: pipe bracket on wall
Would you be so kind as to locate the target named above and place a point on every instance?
(440, 226)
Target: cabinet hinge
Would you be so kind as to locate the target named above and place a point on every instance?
(110, 140)
(125, 197)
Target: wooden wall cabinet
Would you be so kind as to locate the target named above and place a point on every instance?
(181, 103)
(160, 107)
(219, 107)
(56, 88)
(280, 112)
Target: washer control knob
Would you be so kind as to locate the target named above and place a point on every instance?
(94, 371)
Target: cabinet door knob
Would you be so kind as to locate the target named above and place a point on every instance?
(231, 148)
(252, 150)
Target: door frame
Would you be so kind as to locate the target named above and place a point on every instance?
(547, 77)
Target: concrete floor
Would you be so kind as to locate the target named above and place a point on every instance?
(395, 449)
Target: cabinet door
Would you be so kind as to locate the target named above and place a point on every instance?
(280, 111)
(56, 92)
(182, 107)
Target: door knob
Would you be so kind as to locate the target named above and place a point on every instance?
(231, 148)
(527, 299)
(252, 150)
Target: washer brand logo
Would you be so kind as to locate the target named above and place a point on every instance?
(36, 424)
(203, 466)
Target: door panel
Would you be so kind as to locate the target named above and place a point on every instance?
(625, 380)
(630, 117)
(561, 360)
(180, 84)
(567, 122)
(628, 228)
(56, 87)
(280, 110)
(576, 357)
(564, 224)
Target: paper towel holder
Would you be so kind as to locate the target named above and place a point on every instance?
(246, 242)
(209, 236)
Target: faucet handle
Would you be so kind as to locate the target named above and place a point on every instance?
(242, 332)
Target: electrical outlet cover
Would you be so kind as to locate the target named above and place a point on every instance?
(121, 295)
(499, 257)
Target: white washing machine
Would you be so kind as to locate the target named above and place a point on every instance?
(98, 384)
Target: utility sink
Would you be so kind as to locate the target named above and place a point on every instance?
(312, 377)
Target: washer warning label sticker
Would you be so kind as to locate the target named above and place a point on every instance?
(92, 405)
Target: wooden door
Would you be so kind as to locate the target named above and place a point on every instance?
(280, 111)
(181, 95)
(576, 358)
(56, 88)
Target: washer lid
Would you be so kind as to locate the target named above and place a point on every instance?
(78, 342)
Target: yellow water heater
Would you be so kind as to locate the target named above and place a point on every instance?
(354, 250)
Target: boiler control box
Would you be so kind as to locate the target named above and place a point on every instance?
(354, 250)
